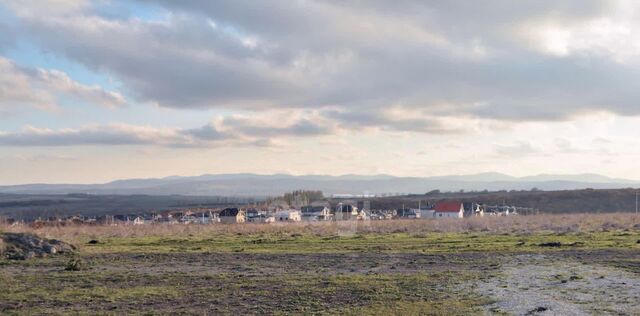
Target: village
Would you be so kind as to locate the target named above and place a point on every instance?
(296, 210)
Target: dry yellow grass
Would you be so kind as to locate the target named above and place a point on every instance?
(491, 225)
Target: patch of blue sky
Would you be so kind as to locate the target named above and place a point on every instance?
(28, 54)
(7, 16)
(74, 113)
(131, 9)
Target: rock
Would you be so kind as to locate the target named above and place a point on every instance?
(48, 248)
(62, 246)
(23, 246)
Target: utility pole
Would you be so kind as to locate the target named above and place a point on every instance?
(636, 202)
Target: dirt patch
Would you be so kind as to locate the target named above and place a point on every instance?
(252, 264)
(550, 244)
(551, 285)
(22, 246)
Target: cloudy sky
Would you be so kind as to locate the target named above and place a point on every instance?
(92, 91)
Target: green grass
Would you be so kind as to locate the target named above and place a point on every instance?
(150, 275)
(394, 243)
(417, 293)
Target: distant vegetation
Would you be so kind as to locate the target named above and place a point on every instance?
(24, 206)
(567, 201)
(556, 223)
(28, 206)
(304, 196)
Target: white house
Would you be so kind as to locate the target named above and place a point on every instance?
(408, 213)
(232, 216)
(427, 213)
(261, 218)
(345, 212)
(473, 209)
(448, 209)
(288, 216)
(316, 213)
(138, 221)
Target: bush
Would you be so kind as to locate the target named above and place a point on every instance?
(75, 264)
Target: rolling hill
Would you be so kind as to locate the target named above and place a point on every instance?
(270, 185)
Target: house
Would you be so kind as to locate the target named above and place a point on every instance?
(500, 210)
(345, 212)
(232, 215)
(256, 215)
(364, 205)
(253, 212)
(138, 220)
(381, 214)
(188, 219)
(288, 216)
(261, 218)
(473, 209)
(448, 209)
(316, 213)
(166, 218)
(407, 213)
(427, 212)
(206, 217)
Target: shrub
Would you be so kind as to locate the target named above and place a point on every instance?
(75, 264)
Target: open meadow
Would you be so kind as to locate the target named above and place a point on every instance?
(543, 264)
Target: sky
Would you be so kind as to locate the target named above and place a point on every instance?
(93, 91)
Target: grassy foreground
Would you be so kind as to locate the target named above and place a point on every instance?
(397, 268)
(370, 243)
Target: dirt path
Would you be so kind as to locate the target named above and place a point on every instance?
(545, 285)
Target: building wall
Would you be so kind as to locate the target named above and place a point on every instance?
(427, 213)
(448, 215)
(288, 216)
(269, 219)
(232, 219)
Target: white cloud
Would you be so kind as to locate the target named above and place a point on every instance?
(40, 88)
(613, 36)
(362, 57)
(40, 7)
(113, 134)
(235, 130)
(496, 86)
(518, 149)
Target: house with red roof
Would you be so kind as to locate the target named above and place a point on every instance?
(448, 209)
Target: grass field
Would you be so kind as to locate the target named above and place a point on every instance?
(394, 267)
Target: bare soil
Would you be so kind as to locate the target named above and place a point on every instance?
(575, 282)
(598, 283)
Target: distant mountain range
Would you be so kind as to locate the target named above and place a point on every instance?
(269, 185)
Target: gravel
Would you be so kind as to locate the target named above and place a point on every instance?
(542, 285)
